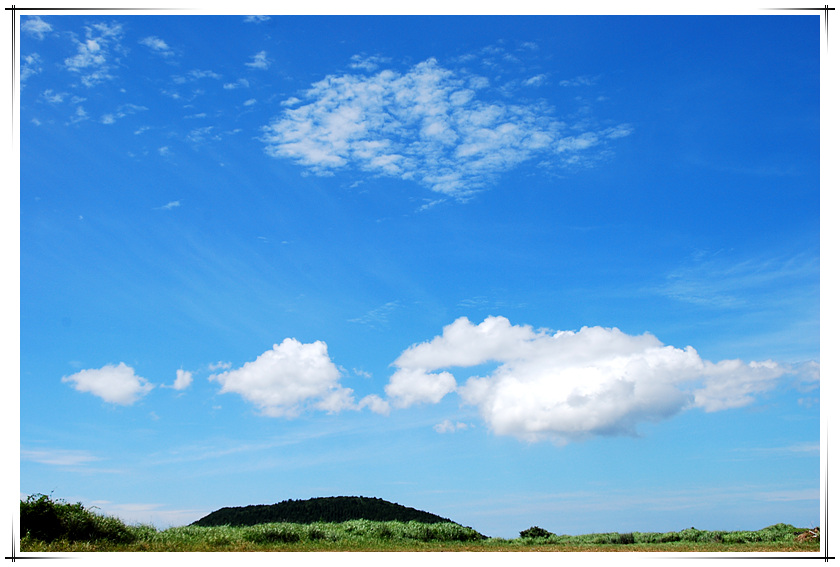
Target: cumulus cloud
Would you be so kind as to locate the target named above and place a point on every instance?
(35, 26)
(428, 125)
(114, 384)
(94, 56)
(183, 379)
(375, 404)
(288, 379)
(415, 386)
(568, 385)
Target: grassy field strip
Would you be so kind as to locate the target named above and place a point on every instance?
(49, 526)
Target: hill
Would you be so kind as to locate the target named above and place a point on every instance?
(329, 509)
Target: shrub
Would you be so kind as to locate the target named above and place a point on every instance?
(43, 519)
(625, 539)
(384, 531)
(271, 533)
(419, 531)
(535, 532)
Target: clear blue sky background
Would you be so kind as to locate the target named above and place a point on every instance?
(554, 271)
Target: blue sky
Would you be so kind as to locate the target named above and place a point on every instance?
(515, 271)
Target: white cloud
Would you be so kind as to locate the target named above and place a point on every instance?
(80, 115)
(58, 457)
(53, 97)
(157, 45)
(375, 404)
(114, 384)
(164, 151)
(170, 205)
(195, 75)
(367, 63)
(379, 316)
(107, 119)
(29, 65)
(732, 383)
(568, 385)
(257, 19)
(201, 135)
(260, 61)
(94, 55)
(289, 378)
(427, 125)
(715, 280)
(240, 83)
(535, 81)
(35, 26)
(250, 102)
(183, 379)
(415, 386)
(446, 426)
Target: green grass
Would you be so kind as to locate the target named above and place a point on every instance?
(56, 526)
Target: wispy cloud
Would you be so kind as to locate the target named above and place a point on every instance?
(447, 426)
(121, 112)
(367, 63)
(429, 125)
(169, 206)
(146, 513)
(35, 26)
(718, 280)
(378, 316)
(94, 56)
(58, 457)
(29, 65)
(53, 97)
(240, 83)
(195, 75)
(257, 19)
(259, 61)
(157, 45)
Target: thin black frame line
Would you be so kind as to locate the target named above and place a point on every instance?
(14, 557)
(14, 68)
(825, 9)
(91, 9)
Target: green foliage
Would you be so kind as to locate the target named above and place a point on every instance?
(49, 525)
(535, 532)
(44, 519)
(331, 509)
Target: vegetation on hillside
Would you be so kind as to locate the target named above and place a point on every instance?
(331, 509)
(54, 525)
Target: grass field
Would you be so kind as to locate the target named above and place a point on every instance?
(50, 526)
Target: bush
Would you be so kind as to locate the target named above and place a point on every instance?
(535, 532)
(271, 533)
(43, 519)
(625, 539)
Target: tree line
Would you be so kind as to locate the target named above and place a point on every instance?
(327, 509)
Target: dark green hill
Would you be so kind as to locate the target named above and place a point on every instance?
(329, 509)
